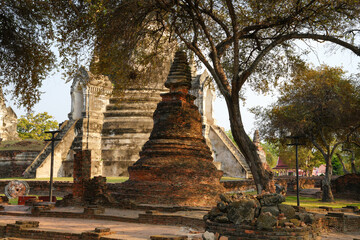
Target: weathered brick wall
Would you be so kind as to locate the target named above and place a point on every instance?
(82, 172)
(241, 185)
(42, 188)
(64, 188)
(288, 182)
(339, 224)
(13, 163)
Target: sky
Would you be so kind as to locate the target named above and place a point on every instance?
(57, 102)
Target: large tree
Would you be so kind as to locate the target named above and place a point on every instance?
(26, 33)
(322, 106)
(238, 41)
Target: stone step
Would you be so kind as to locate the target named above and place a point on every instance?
(123, 145)
(137, 136)
(136, 98)
(148, 106)
(137, 125)
(127, 113)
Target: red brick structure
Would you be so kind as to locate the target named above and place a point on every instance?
(175, 165)
(82, 172)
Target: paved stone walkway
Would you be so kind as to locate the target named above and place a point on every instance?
(124, 230)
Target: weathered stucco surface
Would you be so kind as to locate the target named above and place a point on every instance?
(8, 121)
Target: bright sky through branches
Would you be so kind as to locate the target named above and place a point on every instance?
(57, 102)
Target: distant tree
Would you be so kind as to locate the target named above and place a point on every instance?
(272, 153)
(34, 126)
(337, 167)
(306, 157)
(322, 106)
(271, 150)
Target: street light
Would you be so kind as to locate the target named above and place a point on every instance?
(296, 143)
(52, 160)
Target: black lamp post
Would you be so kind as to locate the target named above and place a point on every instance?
(296, 143)
(52, 160)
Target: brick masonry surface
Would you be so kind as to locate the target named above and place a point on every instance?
(63, 188)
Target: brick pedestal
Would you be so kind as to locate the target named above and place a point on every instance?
(82, 172)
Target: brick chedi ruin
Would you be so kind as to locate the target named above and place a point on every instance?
(175, 165)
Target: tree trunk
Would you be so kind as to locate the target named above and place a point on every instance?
(353, 166)
(263, 178)
(342, 163)
(327, 195)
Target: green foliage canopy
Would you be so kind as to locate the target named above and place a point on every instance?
(26, 34)
(34, 126)
(320, 105)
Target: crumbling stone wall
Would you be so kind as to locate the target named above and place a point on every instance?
(14, 162)
(8, 121)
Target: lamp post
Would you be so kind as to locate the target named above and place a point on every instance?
(52, 160)
(296, 143)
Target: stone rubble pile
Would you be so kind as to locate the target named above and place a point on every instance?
(264, 212)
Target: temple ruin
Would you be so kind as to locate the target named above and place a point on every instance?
(8, 121)
(114, 128)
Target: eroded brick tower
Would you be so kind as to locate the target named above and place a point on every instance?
(175, 165)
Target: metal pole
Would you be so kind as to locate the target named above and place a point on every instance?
(52, 161)
(51, 169)
(297, 174)
(296, 144)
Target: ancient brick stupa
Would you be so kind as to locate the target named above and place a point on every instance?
(175, 165)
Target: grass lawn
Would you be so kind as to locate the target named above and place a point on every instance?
(231, 179)
(309, 202)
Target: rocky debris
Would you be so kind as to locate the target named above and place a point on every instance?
(264, 211)
(208, 236)
(96, 192)
(287, 210)
(266, 221)
(307, 218)
(241, 211)
(280, 189)
(270, 199)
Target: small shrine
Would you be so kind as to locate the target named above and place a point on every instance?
(281, 169)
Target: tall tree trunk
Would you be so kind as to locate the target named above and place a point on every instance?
(262, 177)
(342, 163)
(352, 160)
(327, 195)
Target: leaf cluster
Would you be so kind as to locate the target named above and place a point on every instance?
(26, 33)
(320, 104)
(34, 126)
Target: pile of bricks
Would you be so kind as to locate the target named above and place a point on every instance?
(247, 232)
(96, 192)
